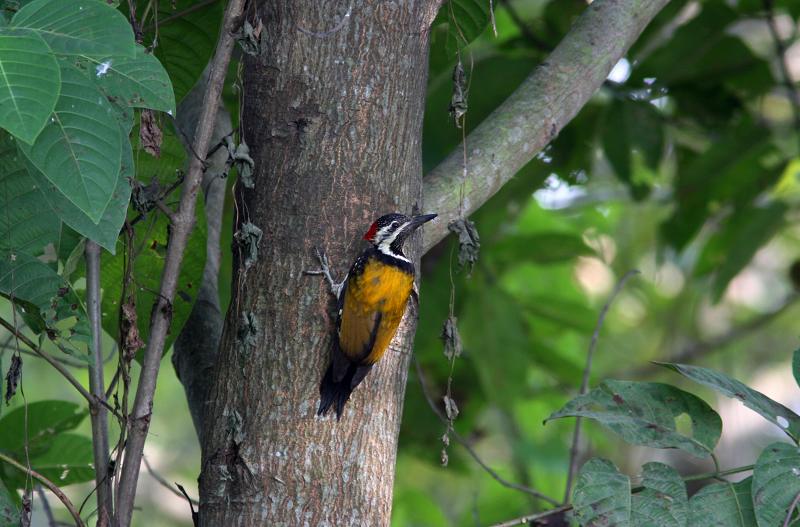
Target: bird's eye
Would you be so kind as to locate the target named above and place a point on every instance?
(393, 224)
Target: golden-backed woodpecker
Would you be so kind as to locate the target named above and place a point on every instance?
(371, 303)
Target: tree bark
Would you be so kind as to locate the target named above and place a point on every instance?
(332, 113)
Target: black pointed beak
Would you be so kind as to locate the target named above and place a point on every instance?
(417, 221)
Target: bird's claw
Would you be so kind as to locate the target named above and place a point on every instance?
(325, 270)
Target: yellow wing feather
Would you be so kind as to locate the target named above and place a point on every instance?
(379, 294)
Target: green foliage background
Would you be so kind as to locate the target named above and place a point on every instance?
(685, 167)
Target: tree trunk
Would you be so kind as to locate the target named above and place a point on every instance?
(332, 113)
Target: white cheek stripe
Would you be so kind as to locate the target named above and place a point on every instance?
(386, 245)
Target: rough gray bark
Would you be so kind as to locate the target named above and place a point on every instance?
(332, 113)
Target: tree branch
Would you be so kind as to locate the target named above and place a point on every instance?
(97, 412)
(49, 484)
(183, 221)
(534, 114)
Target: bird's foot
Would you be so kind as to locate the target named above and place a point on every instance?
(325, 270)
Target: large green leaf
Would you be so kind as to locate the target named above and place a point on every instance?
(602, 495)
(106, 231)
(9, 513)
(79, 150)
(78, 27)
(776, 483)
(23, 227)
(68, 460)
(44, 421)
(185, 43)
(663, 501)
(787, 420)
(139, 81)
(796, 366)
(29, 83)
(646, 413)
(723, 505)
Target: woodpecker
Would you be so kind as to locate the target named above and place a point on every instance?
(371, 302)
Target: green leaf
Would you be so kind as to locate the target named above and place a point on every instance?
(633, 127)
(106, 231)
(78, 27)
(185, 43)
(796, 366)
(79, 150)
(646, 413)
(149, 247)
(723, 505)
(602, 495)
(23, 277)
(663, 501)
(465, 19)
(541, 248)
(45, 420)
(23, 227)
(776, 483)
(9, 513)
(68, 460)
(787, 420)
(139, 82)
(29, 83)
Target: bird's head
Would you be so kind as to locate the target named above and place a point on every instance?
(390, 231)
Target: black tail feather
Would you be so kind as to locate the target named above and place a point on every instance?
(336, 394)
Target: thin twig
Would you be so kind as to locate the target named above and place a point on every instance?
(699, 349)
(98, 414)
(576, 435)
(166, 484)
(47, 483)
(718, 474)
(55, 364)
(780, 52)
(792, 507)
(464, 443)
(182, 222)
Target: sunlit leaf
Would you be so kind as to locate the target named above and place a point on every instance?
(29, 84)
(787, 420)
(646, 413)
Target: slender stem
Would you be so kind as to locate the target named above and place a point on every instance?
(166, 484)
(576, 435)
(182, 222)
(49, 484)
(464, 443)
(98, 413)
(48, 512)
(718, 474)
(50, 360)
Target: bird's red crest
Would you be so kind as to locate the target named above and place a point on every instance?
(370, 234)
